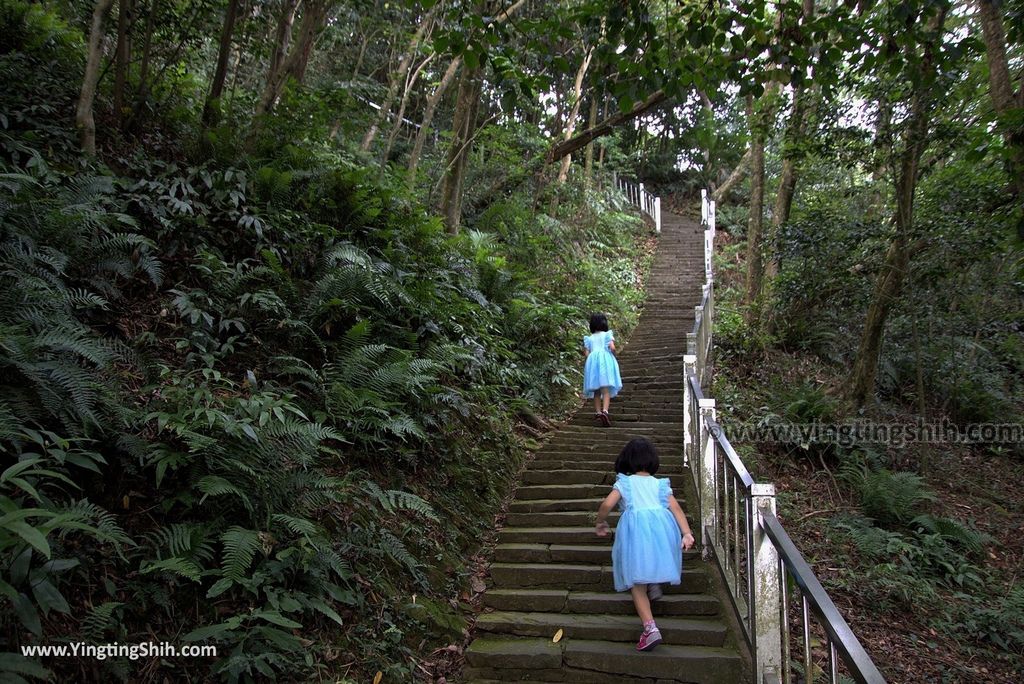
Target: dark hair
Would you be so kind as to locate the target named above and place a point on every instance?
(598, 322)
(638, 455)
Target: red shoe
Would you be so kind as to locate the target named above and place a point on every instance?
(605, 419)
(649, 639)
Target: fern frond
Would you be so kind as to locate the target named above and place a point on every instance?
(240, 546)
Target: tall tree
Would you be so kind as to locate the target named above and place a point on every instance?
(85, 119)
(293, 65)
(790, 149)
(463, 126)
(1007, 101)
(435, 98)
(398, 77)
(923, 59)
(122, 56)
(574, 112)
(758, 115)
(221, 71)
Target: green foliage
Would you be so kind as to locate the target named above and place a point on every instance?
(889, 498)
(256, 401)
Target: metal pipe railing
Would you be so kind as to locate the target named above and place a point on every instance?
(638, 195)
(740, 530)
(842, 644)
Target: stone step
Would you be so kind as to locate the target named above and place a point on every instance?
(623, 628)
(564, 518)
(598, 662)
(577, 491)
(607, 603)
(528, 505)
(554, 477)
(580, 554)
(581, 576)
(636, 428)
(594, 461)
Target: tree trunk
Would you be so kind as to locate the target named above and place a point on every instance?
(570, 124)
(755, 116)
(147, 49)
(734, 177)
(889, 284)
(396, 127)
(397, 78)
(122, 59)
(428, 116)
(466, 103)
(588, 163)
(1004, 99)
(435, 99)
(283, 36)
(212, 105)
(787, 176)
(604, 128)
(85, 120)
(282, 42)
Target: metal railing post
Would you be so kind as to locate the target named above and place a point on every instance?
(704, 206)
(657, 215)
(689, 366)
(707, 483)
(767, 587)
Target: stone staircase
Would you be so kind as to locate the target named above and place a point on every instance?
(551, 572)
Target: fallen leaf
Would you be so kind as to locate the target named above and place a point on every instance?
(477, 585)
(377, 677)
(557, 637)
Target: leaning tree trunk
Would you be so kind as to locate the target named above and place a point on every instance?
(581, 140)
(397, 78)
(396, 127)
(85, 119)
(889, 284)
(428, 117)
(574, 112)
(278, 57)
(220, 74)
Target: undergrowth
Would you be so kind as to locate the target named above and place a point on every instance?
(262, 402)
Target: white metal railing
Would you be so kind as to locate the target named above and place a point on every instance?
(638, 195)
(739, 529)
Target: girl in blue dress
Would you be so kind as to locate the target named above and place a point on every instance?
(650, 535)
(601, 379)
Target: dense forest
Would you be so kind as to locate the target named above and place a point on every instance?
(289, 289)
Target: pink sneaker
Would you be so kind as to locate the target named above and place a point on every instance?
(649, 639)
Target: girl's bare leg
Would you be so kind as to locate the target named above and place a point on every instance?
(606, 395)
(641, 602)
(597, 402)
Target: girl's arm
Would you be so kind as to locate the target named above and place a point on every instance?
(684, 525)
(601, 529)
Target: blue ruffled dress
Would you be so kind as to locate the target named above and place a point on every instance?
(601, 368)
(647, 547)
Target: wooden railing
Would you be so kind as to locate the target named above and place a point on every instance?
(757, 560)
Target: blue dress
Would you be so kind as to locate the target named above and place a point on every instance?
(601, 368)
(647, 547)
